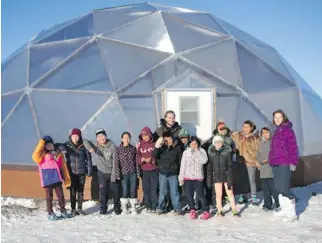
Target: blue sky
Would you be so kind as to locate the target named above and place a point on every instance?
(293, 27)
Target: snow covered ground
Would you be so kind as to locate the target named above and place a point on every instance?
(24, 220)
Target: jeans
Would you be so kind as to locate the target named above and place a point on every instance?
(172, 182)
(77, 188)
(105, 185)
(269, 191)
(252, 179)
(191, 186)
(60, 196)
(129, 185)
(150, 184)
(282, 178)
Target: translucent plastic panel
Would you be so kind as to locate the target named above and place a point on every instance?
(297, 78)
(158, 104)
(79, 28)
(135, 7)
(135, 60)
(106, 20)
(171, 9)
(315, 102)
(229, 116)
(256, 76)
(14, 73)
(141, 86)
(287, 100)
(140, 113)
(19, 136)
(112, 119)
(312, 128)
(219, 59)
(85, 71)
(202, 19)
(58, 112)
(8, 102)
(247, 111)
(44, 57)
(163, 73)
(208, 79)
(153, 33)
(186, 36)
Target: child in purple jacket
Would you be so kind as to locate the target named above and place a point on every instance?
(283, 157)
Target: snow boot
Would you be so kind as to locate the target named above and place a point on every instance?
(53, 217)
(254, 200)
(133, 202)
(290, 211)
(74, 213)
(192, 214)
(205, 215)
(124, 203)
(65, 215)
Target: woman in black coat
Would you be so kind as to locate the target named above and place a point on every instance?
(220, 172)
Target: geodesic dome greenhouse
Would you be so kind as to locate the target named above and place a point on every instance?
(107, 69)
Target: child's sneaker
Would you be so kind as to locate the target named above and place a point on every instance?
(74, 213)
(267, 209)
(80, 212)
(193, 214)
(53, 217)
(220, 214)
(242, 199)
(236, 213)
(153, 211)
(159, 211)
(277, 209)
(205, 215)
(177, 213)
(65, 215)
(254, 200)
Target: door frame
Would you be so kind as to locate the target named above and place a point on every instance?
(213, 98)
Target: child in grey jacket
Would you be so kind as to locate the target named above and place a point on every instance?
(266, 172)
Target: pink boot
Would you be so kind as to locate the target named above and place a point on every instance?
(193, 214)
(205, 215)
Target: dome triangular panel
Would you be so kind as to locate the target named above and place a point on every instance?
(136, 61)
(186, 36)
(85, 71)
(8, 102)
(153, 33)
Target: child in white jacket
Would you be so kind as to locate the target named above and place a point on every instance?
(192, 175)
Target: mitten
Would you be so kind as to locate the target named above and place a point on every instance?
(159, 142)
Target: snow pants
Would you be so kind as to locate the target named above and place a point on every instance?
(282, 178)
(150, 184)
(77, 189)
(50, 195)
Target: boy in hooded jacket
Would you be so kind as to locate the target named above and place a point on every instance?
(53, 171)
(79, 163)
(149, 168)
(168, 154)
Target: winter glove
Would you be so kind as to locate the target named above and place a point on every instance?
(292, 167)
(159, 142)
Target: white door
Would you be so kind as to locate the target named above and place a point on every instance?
(194, 108)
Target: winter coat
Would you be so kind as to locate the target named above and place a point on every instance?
(125, 161)
(266, 170)
(175, 129)
(284, 150)
(103, 156)
(247, 147)
(78, 158)
(169, 158)
(145, 150)
(228, 141)
(52, 168)
(220, 167)
(192, 162)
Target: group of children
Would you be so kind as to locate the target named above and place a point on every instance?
(169, 159)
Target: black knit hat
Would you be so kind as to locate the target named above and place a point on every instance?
(48, 140)
(167, 134)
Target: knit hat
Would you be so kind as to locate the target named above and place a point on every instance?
(217, 138)
(76, 131)
(100, 131)
(48, 140)
(184, 133)
(167, 134)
